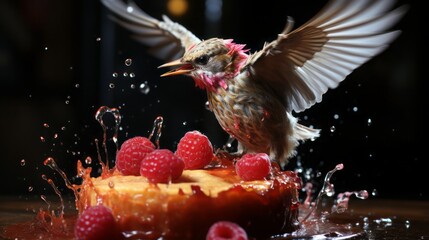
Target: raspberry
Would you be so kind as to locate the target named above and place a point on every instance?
(253, 166)
(226, 230)
(96, 223)
(195, 149)
(131, 154)
(161, 166)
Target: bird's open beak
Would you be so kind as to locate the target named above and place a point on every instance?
(183, 68)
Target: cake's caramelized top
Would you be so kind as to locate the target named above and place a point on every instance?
(211, 181)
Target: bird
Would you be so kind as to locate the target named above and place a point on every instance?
(255, 95)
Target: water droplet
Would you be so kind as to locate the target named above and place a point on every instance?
(184, 123)
(46, 48)
(144, 88)
(336, 116)
(332, 129)
(88, 160)
(46, 125)
(363, 194)
(355, 109)
(369, 122)
(30, 188)
(207, 106)
(98, 39)
(130, 9)
(407, 224)
(111, 85)
(42, 139)
(63, 128)
(133, 86)
(55, 135)
(132, 75)
(128, 62)
(115, 74)
(374, 192)
(339, 166)
(77, 85)
(67, 101)
(125, 74)
(22, 162)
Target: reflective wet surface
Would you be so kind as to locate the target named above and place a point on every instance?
(365, 219)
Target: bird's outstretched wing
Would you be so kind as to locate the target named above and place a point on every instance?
(166, 39)
(303, 64)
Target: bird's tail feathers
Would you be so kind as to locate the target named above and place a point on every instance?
(304, 133)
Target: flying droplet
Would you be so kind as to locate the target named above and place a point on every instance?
(88, 160)
(207, 106)
(30, 188)
(77, 85)
(111, 85)
(22, 162)
(144, 88)
(362, 194)
(115, 74)
(355, 109)
(133, 86)
(67, 101)
(407, 224)
(46, 125)
(42, 139)
(336, 116)
(369, 122)
(63, 128)
(130, 9)
(46, 48)
(332, 129)
(98, 39)
(132, 75)
(374, 192)
(128, 62)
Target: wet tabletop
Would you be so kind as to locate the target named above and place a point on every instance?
(377, 218)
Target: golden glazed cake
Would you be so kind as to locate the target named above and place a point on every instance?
(187, 207)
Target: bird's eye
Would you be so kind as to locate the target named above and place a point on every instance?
(202, 60)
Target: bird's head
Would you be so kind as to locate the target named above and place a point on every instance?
(212, 63)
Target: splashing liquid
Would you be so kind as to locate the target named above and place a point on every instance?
(327, 189)
(157, 126)
(99, 117)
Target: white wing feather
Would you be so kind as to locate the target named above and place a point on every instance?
(167, 39)
(303, 64)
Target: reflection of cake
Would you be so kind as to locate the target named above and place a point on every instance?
(186, 208)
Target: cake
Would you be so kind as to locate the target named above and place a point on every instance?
(188, 206)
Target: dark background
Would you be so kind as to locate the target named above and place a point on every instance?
(58, 58)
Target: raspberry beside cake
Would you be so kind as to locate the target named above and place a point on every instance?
(188, 206)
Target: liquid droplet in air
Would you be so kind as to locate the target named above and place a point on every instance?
(332, 129)
(45, 125)
(88, 160)
(22, 162)
(98, 39)
(115, 74)
(144, 88)
(128, 62)
(111, 85)
(207, 106)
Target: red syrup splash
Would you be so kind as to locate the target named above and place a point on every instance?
(56, 224)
